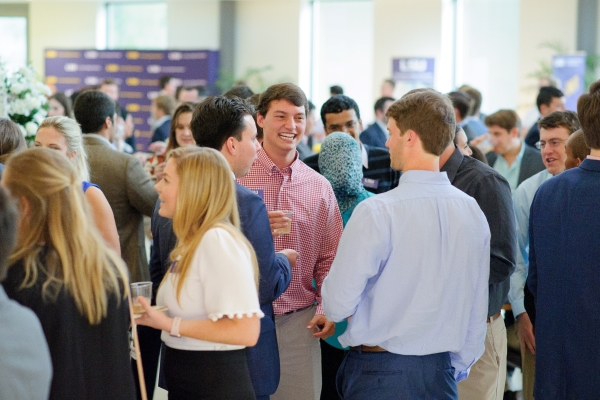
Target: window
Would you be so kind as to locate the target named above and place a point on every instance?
(136, 26)
(13, 31)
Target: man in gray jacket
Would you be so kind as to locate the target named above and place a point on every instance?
(121, 177)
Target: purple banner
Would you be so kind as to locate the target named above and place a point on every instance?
(418, 70)
(136, 72)
(570, 72)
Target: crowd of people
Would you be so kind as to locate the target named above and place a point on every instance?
(381, 262)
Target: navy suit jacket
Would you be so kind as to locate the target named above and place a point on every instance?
(564, 278)
(373, 136)
(162, 132)
(275, 275)
(531, 163)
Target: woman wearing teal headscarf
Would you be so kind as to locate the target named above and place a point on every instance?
(340, 161)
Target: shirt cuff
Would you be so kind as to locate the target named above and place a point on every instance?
(319, 310)
(518, 307)
(461, 375)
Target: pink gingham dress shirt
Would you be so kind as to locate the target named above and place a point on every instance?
(316, 225)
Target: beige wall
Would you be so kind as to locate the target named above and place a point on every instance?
(268, 34)
(542, 21)
(404, 28)
(193, 24)
(60, 24)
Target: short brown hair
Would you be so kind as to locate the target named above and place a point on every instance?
(578, 146)
(588, 108)
(165, 103)
(560, 119)
(430, 114)
(11, 139)
(506, 119)
(475, 96)
(282, 91)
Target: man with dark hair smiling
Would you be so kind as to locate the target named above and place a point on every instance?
(341, 114)
(548, 100)
(564, 278)
(286, 183)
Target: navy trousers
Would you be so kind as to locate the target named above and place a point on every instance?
(386, 376)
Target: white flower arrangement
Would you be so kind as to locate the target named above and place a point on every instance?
(23, 99)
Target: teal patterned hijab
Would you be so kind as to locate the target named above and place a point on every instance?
(340, 161)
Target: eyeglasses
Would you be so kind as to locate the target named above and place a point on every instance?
(552, 143)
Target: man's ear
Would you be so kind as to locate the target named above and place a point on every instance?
(230, 145)
(360, 125)
(579, 160)
(260, 120)
(514, 132)
(108, 123)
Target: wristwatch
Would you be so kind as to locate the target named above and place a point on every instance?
(175, 327)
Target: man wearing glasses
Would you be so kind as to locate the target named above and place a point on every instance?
(555, 130)
(510, 156)
(341, 114)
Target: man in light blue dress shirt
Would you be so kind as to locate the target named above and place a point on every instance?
(555, 130)
(412, 269)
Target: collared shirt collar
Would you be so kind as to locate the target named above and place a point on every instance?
(365, 156)
(160, 121)
(427, 177)
(593, 158)
(453, 164)
(102, 138)
(270, 166)
(383, 128)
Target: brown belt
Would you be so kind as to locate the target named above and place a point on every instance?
(369, 349)
(493, 317)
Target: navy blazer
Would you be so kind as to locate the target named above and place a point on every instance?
(564, 255)
(373, 136)
(162, 132)
(275, 275)
(531, 163)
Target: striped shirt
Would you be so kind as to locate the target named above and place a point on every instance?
(316, 225)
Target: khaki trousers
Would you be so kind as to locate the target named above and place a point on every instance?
(528, 367)
(299, 357)
(488, 375)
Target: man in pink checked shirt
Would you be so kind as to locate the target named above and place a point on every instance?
(286, 183)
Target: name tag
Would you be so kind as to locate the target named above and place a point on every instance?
(370, 183)
(260, 193)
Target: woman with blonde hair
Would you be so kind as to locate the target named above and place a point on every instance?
(64, 272)
(64, 134)
(210, 290)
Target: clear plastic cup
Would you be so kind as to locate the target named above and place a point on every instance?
(287, 214)
(140, 289)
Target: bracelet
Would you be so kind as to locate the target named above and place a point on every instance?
(175, 327)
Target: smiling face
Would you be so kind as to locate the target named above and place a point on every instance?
(345, 121)
(283, 127)
(554, 153)
(462, 143)
(183, 132)
(53, 139)
(167, 189)
(502, 139)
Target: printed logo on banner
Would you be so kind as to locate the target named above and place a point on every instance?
(136, 71)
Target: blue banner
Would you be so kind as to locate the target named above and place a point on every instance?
(569, 70)
(135, 71)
